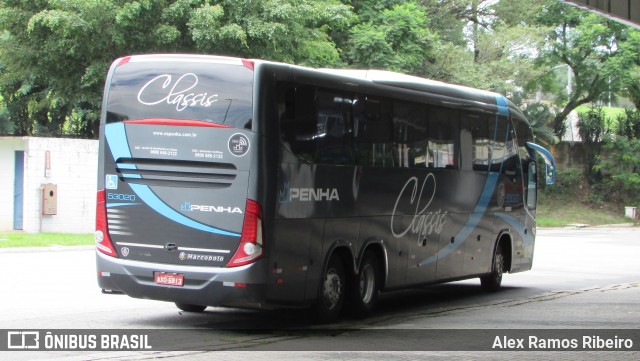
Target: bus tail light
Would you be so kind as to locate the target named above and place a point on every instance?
(249, 64)
(250, 248)
(101, 235)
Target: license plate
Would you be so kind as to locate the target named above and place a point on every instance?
(169, 279)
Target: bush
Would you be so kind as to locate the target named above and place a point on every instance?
(619, 165)
(570, 183)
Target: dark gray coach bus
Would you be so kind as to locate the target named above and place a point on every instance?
(249, 183)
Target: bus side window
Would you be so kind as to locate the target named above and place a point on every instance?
(443, 134)
(298, 126)
(333, 128)
(410, 135)
(476, 126)
(373, 132)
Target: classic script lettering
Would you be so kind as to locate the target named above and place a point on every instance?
(418, 197)
(176, 93)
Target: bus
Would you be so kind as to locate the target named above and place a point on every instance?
(248, 183)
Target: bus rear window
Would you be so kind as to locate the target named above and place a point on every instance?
(211, 92)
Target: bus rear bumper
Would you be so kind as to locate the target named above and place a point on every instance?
(211, 286)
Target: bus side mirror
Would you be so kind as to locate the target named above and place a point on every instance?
(550, 162)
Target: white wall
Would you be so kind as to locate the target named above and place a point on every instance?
(8, 147)
(74, 166)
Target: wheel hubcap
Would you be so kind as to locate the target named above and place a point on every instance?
(332, 289)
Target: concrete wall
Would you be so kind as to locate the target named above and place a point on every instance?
(8, 148)
(570, 155)
(72, 167)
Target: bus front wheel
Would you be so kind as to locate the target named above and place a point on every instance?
(493, 280)
(332, 291)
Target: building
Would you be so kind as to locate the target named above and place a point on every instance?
(48, 184)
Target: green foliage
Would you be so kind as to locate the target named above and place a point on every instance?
(398, 39)
(569, 184)
(593, 126)
(539, 115)
(629, 124)
(619, 165)
(597, 50)
(6, 127)
(54, 55)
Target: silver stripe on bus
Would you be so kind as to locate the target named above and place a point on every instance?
(179, 248)
(139, 245)
(203, 250)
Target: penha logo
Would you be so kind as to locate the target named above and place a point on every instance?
(239, 144)
(188, 207)
(288, 194)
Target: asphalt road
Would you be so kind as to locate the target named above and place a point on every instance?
(582, 279)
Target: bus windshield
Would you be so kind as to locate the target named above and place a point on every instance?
(219, 94)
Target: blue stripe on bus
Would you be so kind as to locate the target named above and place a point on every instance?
(503, 105)
(118, 145)
(116, 136)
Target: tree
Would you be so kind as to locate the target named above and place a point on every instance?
(55, 54)
(281, 30)
(619, 163)
(592, 46)
(539, 115)
(398, 39)
(485, 44)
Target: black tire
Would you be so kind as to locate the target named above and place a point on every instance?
(332, 291)
(190, 308)
(365, 286)
(493, 280)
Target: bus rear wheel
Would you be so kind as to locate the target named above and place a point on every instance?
(493, 280)
(190, 308)
(363, 293)
(332, 291)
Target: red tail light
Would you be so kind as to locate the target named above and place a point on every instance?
(250, 248)
(101, 236)
(249, 64)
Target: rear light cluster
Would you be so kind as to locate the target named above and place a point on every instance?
(101, 235)
(251, 246)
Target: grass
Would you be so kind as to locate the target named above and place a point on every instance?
(555, 212)
(21, 239)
